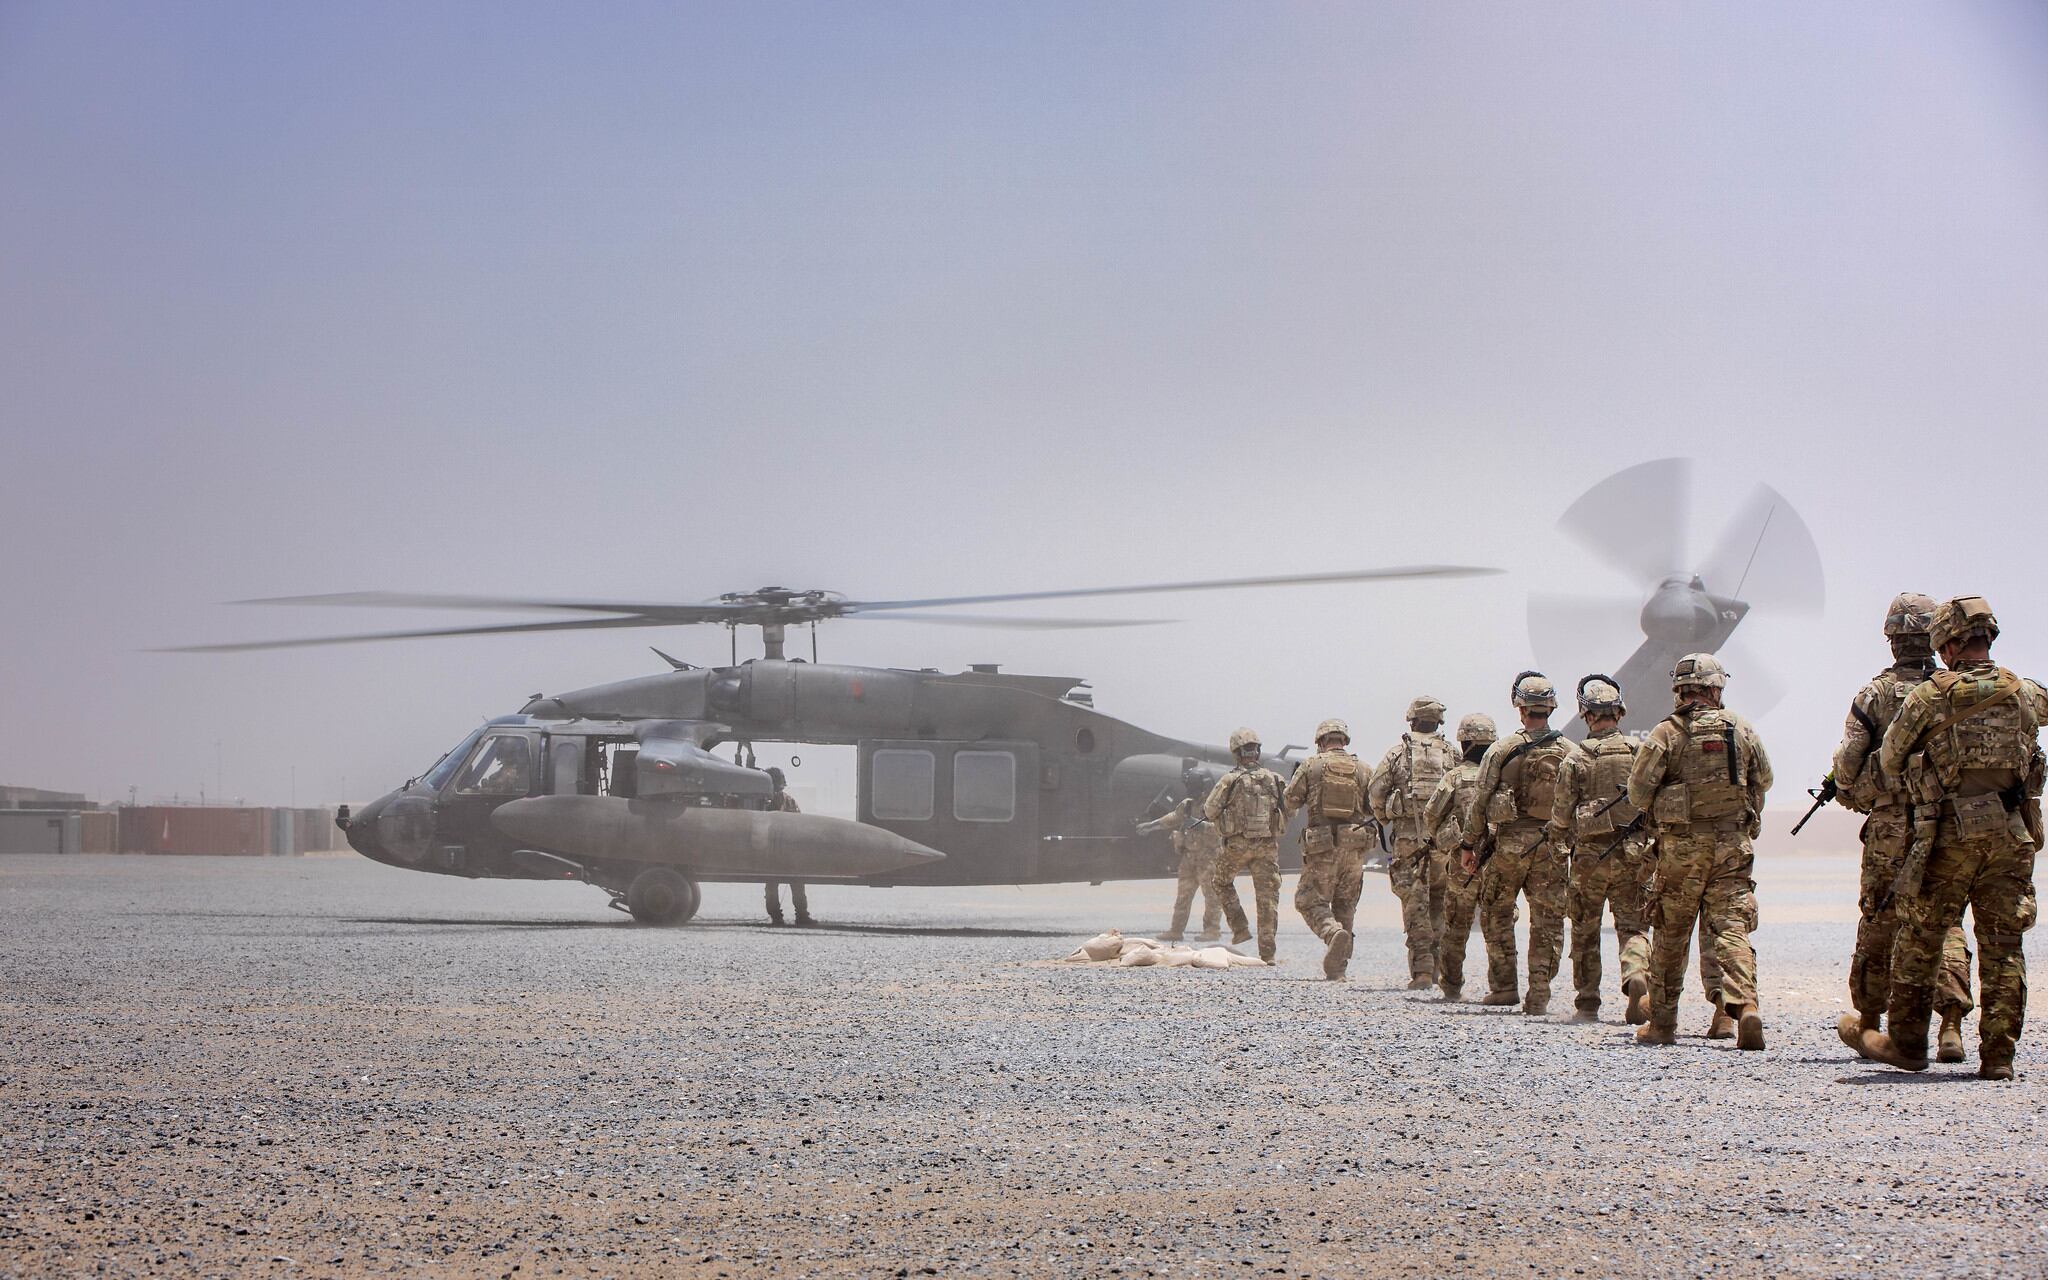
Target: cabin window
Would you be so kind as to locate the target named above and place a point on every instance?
(984, 786)
(565, 760)
(502, 766)
(900, 785)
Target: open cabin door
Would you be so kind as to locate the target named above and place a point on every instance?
(975, 802)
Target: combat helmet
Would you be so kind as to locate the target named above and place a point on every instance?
(1699, 671)
(1243, 738)
(1963, 618)
(1910, 614)
(1477, 728)
(1600, 695)
(1333, 727)
(1425, 709)
(1534, 691)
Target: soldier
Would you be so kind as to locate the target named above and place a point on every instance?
(781, 801)
(1592, 820)
(1703, 775)
(1196, 841)
(1330, 789)
(1249, 809)
(1444, 821)
(1511, 805)
(1861, 787)
(1965, 741)
(1401, 787)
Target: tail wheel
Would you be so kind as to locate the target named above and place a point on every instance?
(661, 896)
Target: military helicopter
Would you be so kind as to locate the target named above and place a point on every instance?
(1638, 521)
(963, 778)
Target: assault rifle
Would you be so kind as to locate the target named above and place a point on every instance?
(1621, 836)
(1821, 794)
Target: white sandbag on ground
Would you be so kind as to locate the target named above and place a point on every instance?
(1138, 957)
(1212, 958)
(1104, 946)
(1245, 962)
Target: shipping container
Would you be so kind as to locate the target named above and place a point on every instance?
(99, 831)
(193, 829)
(38, 831)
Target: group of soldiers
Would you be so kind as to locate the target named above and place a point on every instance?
(1656, 830)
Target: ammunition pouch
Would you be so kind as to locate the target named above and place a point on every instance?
(1501, 807)
(1672, 806)
(1979, 817)
(1594, 818)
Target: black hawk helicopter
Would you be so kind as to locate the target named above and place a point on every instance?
(976, 777)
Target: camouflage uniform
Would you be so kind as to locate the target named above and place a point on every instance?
(1971, 734)
(1512, 802)
(1606, 865)
(1442, 819)
(1703, 774)
(1402, 785)
(1863, 788)
(799, 901)
(1196, 841)
(1248, 806)
(1329, 789)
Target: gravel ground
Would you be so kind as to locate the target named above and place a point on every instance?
(323, 1066)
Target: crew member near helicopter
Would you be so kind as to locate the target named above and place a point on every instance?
(781, 801)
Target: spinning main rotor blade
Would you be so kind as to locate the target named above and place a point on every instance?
(1016, 624)
(678, 613)
(1767, 558)
(1636, 519)
(1214, 584)
(508, 628)
(1571, 632)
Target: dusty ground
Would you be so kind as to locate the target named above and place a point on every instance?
(327, 1067)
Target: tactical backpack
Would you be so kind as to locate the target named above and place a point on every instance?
(1339, 795)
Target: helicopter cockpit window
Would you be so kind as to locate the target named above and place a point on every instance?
(565, 762)
(984, 786)
(444, 768)
(900, 785)
(503, 766)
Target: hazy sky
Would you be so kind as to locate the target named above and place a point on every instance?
(665, 301)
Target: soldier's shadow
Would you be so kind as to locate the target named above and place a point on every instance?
(1889, 1076)
(1480, 1010)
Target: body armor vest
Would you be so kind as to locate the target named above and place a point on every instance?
(1465, 783)
(1336, 791)
(1423, 762)
(1711, 765)
(1887, 694)
(1611, 756)
(1532, 776)
(2000, 739)
(1251, 804)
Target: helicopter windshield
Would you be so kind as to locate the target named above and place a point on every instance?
(444, 768)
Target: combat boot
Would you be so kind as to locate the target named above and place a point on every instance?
(1537, 1003)
(1749, 1033)
(1948, 1045)
(1656, 1034)
(1904, 1052)
(1420, 984)
(1994, 1069)
(1209, 935)
(1638, 992)
(1338, 954)
(1722, 1027)
(775, 918)
(1501, 998)
(1852, 1026)
(1583, 1014)
(1240, 935)
(804, 921)
(1453, 993)
(1171, 935)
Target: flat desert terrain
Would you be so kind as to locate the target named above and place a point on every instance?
(323, 1066)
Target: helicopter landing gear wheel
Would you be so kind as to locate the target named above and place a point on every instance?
(661, 896)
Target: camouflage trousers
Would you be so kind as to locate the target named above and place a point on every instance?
(1994, 878)
(1635, 953)
(1460, 899)
(1702, 875)
(1196, 867)
(797, 899)
(1259, 859)
(1885, 836)
(1599, 884)
(1332, 876)
(1409, 872)
(1542, 878)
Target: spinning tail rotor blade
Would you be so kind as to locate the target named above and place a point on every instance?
(1767, 557)
(1636, 520)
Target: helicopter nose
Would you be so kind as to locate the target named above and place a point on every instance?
(394, 829)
